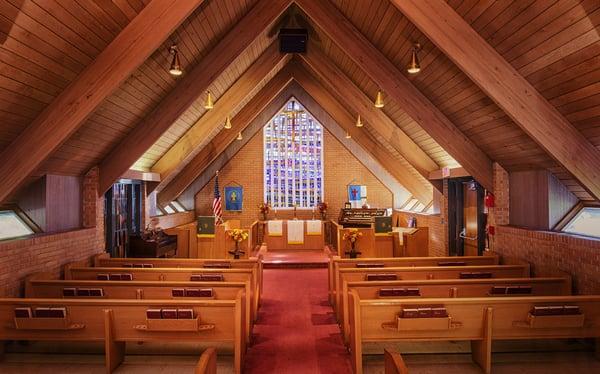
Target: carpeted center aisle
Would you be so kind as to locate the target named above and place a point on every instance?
(296, 331)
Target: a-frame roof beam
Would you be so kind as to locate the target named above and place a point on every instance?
(220, 142)
(337, 81)
(190, 87)
(186, 147)
(503, 84)
(134, 44)
(372, 61)
(341, 115)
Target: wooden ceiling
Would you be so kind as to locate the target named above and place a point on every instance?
(554, 45)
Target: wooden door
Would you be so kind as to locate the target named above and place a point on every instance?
(470, 220)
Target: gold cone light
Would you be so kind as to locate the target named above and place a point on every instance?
(379, 100)
(414, 66)
(348, 136)
(227, 123)
(175, 68)
(239, 137)
(208, 105)
(359, 122)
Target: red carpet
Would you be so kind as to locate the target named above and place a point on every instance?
(296, 331)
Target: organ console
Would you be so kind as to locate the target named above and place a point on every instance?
(359, 217)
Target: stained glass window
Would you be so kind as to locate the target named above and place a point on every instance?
(293, 152)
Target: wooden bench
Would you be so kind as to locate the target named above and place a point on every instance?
(255, 263)
(479, 320)
(116, 322)
(394, 364)
(207, 364)
(455, 288)
(423, 272)
(41, 285)
(336, 263)
(172, 275)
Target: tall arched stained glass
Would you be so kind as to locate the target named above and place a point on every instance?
(293, 150)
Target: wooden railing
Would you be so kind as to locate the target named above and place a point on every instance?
(332, 230)
(257, 232)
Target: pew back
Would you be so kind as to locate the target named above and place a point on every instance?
(424, 272)
(476, 319)
(86, 320)
(436, 288)
(336, 263)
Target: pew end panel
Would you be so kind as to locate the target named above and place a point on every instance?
(394, 364)
(207, 364)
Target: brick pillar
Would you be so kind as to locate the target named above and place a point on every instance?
(499, 215)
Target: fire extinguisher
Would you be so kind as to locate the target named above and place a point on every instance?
(489, 200)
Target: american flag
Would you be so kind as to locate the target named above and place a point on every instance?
(217, 208)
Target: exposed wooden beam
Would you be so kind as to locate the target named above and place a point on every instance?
(141, 175)
(448, 173)
(341, 115)
(341, 30)
(339, 83)
(503, 84)
(134, 44)
(186, 147)
(293, 89)
(189, 88)
(220, 142)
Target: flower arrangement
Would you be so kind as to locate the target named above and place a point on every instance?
(238, 236)
(352, 236)
(264, 209)
(322, 206)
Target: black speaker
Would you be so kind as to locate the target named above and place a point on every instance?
(293, 40)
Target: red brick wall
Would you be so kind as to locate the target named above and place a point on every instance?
(546, 251)
(48, 253)
(340, 168)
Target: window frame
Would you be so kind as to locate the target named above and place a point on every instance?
(24, 218)
(570, 216)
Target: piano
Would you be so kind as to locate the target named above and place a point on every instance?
(359, 217)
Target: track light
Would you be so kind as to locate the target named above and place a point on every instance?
(348, 136)
(239, 137)
(227, 123)
(414, 67)
(175, 68)
(359, 122)
(208, 105)
(379, 100)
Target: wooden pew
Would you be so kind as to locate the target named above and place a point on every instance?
(41, 285)
(336, 263)
(171, 275)
(394, 364)
(423, 272)
(430, 288)
(116, 322)
(207, 363)
(479, 320)
(255, 263)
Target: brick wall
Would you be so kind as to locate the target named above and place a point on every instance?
(48, 253)
(546, 251)
(340, 168)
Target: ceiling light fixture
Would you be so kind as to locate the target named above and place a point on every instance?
(379, 100)
(414, 67)
(359, 122)
(227, 123)
(175, 68)
(208, 105)
(348, 136)
(239, 137)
